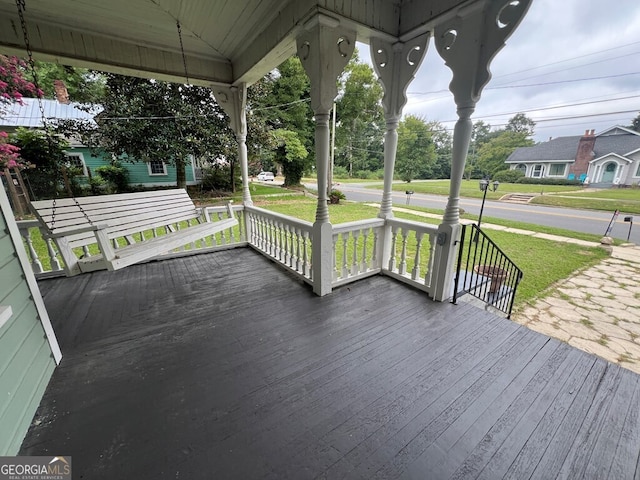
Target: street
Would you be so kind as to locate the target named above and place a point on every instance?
(586, 221)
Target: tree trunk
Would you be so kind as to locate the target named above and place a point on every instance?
(181, 173)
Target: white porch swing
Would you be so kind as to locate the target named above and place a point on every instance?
(76, 223)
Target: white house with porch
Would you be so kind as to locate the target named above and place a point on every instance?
(228, 46)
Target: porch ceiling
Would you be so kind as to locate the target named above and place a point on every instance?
(225, 41)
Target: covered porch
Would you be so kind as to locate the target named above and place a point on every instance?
(167, 373)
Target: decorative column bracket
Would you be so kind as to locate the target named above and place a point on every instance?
(324, 50)
(477, 32)
(467, 42)
(396, 65)
(233, 100)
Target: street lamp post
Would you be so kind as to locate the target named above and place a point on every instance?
(484, 186)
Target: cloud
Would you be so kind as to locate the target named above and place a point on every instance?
(553, 58)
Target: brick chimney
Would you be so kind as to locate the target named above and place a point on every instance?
(61, 91)
(584, 154)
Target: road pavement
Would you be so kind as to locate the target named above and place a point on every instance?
(585, 221)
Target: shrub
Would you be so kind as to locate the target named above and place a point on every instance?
(508, 176)
(335, 196)
(115, 176)
(548, 181)
(219, 178)
(340, 172)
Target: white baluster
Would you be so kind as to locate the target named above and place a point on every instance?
(392, 257)
(374, 256)
(36, 265)
(345, 242)
(365, 237)
(334, 257)
(354, 266)
(287, 245)
(53, 257)
(403, 256)
(305, 255)
(432, 251)
(298, 262)
(85, 251)
(415, 273)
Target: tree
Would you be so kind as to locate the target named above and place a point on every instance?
(292, 155)
(635, 124)
(144, 120)
(9, 153)
(416, 153)
(480, 134)
(520, 123)
(443, 142)
(493, 154)
(47, 154)
(360, 118)
(282, 101)
(13, 85)
(83, 85)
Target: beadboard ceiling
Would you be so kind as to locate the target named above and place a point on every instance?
(225, 41)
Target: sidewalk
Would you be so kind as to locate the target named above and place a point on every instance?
(596, 310)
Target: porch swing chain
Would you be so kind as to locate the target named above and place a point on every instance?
(21, 6)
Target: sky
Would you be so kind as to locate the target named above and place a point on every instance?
(583, 55)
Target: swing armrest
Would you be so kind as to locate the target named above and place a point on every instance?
(75, 230)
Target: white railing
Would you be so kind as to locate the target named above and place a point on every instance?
(284, 239)
(356, 250)
(412, 252)
(358, 247)
(43, 255)
(47, 262)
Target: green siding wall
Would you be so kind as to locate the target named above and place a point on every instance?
(138, 172)
(26, 362)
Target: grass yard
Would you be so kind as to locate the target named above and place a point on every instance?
(627, 200)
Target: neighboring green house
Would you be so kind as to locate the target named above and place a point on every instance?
(29, 350)
(148, 174)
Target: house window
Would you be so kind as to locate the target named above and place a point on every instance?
(521, 168)
(638, 170)
(76, 161)
(557, 170)
(537, 171)
(157, 167)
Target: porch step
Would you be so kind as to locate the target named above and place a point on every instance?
(517, 198)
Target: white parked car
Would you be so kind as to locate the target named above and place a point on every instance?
(266, 177)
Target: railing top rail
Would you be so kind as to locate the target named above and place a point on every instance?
(417, 226)
(358, 224)
(28, 223)
(223, 208)
(296, 222)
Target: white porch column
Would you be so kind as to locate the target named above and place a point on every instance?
(234, 102)
(467, 42)
(324, 50)
(395, 64)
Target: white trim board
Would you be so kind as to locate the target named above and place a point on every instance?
(14, 233)
(5, 314)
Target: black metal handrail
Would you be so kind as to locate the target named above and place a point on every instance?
(488, 273)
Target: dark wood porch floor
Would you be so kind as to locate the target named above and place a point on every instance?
(222, 366)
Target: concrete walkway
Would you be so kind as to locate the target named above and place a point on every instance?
(596, 310)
